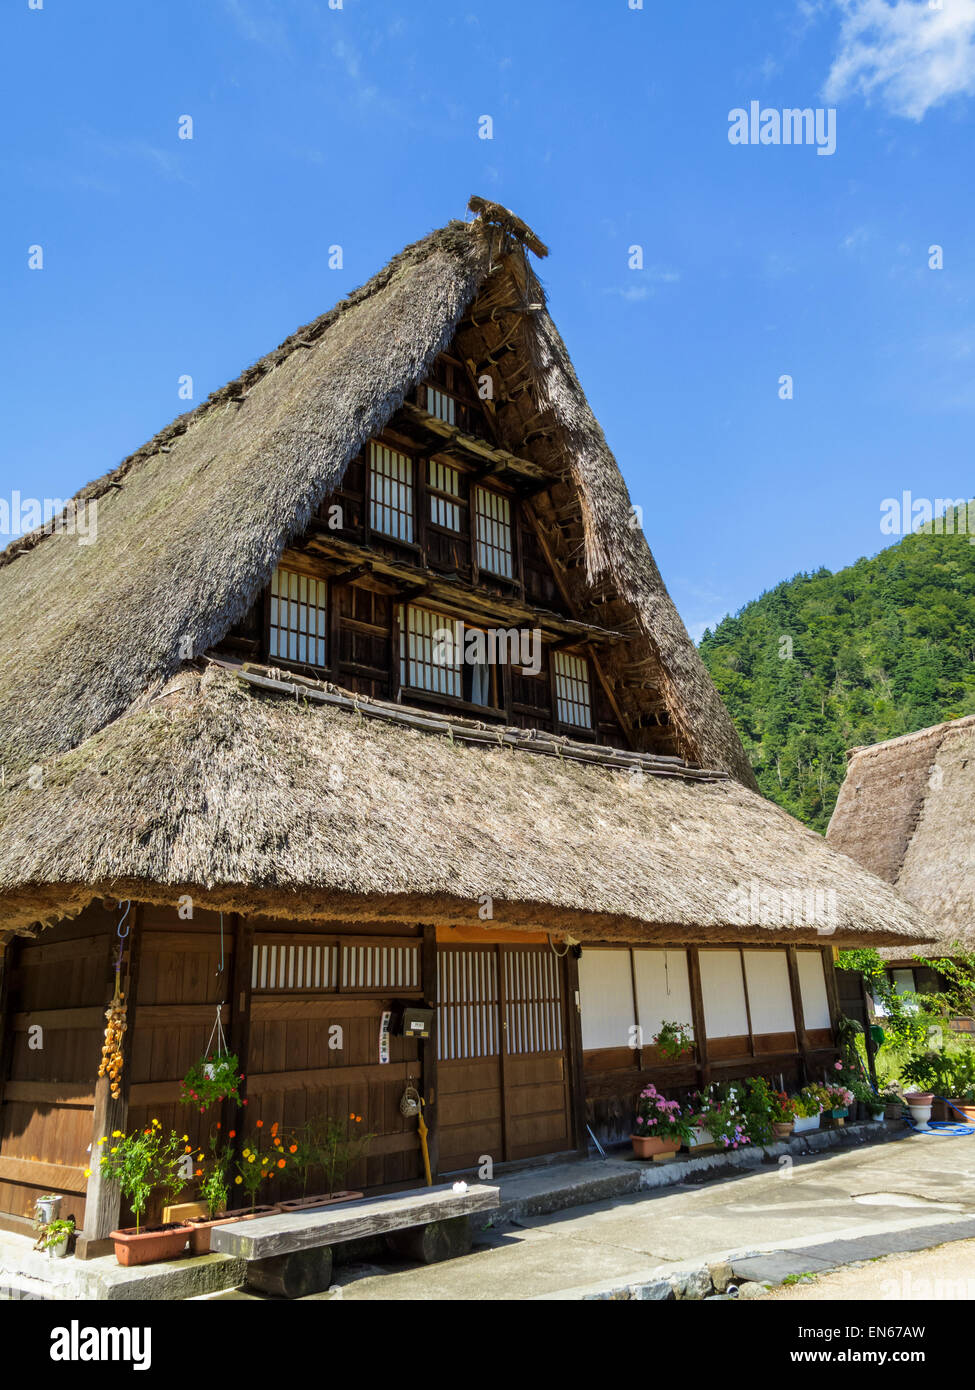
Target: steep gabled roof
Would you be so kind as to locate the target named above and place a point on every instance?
(158, 775)
(906, 812)
(191, 526)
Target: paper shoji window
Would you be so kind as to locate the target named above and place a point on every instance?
(298, 618)
(391, 492)
(422, 659)
(572, 690)
(441, 405)
(444, 479)
(492, 514)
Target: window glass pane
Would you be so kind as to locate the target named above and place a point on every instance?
(492, 514)
(444, 512)
(298, 618)
(572, 690)
(441, 405)
(429, 660)
(391, 492)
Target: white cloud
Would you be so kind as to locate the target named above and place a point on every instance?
(909, 54)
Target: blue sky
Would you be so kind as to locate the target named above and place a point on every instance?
(359, 126)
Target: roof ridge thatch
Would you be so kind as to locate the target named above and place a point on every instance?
(915, 736)
(165, 800)
(235, 389)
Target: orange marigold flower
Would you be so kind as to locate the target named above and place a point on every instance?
(293, 1149)
(260, 1124)
(280, 1162)
(232, 1134)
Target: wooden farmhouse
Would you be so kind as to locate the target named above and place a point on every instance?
(369, 698)
(906, 812)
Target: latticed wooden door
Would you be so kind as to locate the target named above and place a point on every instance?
(503, 1074)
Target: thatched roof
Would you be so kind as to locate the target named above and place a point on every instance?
(906, 812)
(280, 803)
(156, 778)
(191, 526)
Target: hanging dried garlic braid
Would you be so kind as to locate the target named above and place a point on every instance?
(112, 1058)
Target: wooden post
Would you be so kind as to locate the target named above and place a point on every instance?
(239, 1022)
(574, 1053)
(103, 1199)
(832, 990)
(795, 990)
(697, 1015)
(430, 976)
(868, 1041)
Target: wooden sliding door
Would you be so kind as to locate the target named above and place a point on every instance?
(502, 1064)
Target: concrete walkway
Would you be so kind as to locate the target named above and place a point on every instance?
(787, 1216)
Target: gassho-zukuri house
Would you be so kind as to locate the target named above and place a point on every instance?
(906, 812)
(367, 698)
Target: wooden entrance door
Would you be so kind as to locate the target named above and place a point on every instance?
(503, 1074)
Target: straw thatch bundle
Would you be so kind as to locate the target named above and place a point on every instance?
(905, 812)
(259, 802)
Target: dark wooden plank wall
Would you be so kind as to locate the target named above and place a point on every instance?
(59, 982)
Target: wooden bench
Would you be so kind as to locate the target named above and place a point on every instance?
(290, 1254)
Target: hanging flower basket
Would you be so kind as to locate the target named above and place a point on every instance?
(212, 1079)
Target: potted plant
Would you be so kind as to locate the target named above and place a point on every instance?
(661, 1126)
(211, 1080)
(46, 1209)
(840, 1098)
(756, 1102)
(332, 1147)
(256, 1166)
(675, 1040)
(783, 1111)
(809, 1108)
(718, 1111)
(893, 1101)
(54, 1237)
(214, 1190)
(140, 1163)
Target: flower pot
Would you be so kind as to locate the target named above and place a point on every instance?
(877, 1115)
(145, 1247)
(894, 1110)
(968, 1112)
(781, 1129)
(919, 1103)
(803, 1123)
(245, 1213)
(322, 1200)
(59, 1251)
(201, 1226)
(46, 1209)
(647, 1145)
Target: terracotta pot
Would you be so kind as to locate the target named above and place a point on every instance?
(144, 1247)
(201, 1226)
(322, 1200)
(968, 1112)
(782, 1128)
(245, 1213)
(645, 1146)
(912, 1098)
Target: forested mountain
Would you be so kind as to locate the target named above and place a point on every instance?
(827, 661)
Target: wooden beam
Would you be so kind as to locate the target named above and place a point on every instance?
(795, 989)
(575, 1060)
(46, 1176)
(697, 1015)
(240, 1021)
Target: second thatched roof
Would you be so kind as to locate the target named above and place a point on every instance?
(906, 812)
